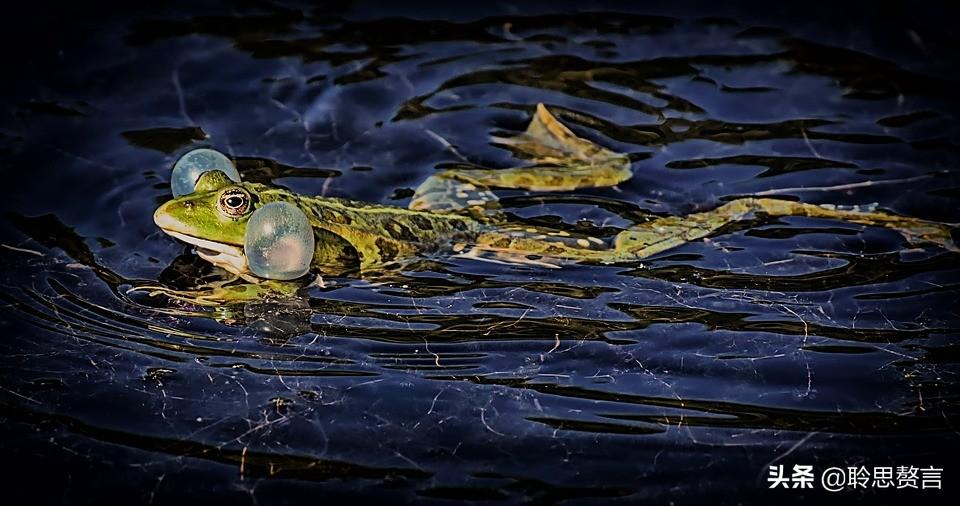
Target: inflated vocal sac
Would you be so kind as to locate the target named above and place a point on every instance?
(194, 164)
(279, 242)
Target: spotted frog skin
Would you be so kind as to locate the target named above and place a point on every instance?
(456, 212)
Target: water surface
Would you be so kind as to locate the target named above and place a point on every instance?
(783, 341)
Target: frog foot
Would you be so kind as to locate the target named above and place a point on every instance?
(561, 161)
(918, 232)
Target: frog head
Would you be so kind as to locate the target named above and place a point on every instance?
(213, 218)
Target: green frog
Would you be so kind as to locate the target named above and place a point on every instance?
(455, 212)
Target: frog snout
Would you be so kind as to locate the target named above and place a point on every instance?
(163, 218)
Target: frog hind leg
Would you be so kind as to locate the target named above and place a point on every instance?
(561, 161)
(665, 233)
(541, 247)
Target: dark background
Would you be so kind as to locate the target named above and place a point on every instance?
(789, 341)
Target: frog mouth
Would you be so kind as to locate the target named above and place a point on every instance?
(228, 256)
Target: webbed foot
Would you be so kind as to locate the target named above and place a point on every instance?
(561, 162)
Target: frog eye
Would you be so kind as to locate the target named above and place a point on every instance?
(194, 164)
(279, 242)
(234, 202)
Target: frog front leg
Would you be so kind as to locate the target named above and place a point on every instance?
(225, 292)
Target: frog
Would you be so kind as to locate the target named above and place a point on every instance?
(457, 212)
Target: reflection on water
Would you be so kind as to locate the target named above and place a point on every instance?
(789, 340)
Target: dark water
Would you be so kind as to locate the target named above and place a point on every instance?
(784, 341)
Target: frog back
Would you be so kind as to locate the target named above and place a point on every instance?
(362, 234)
